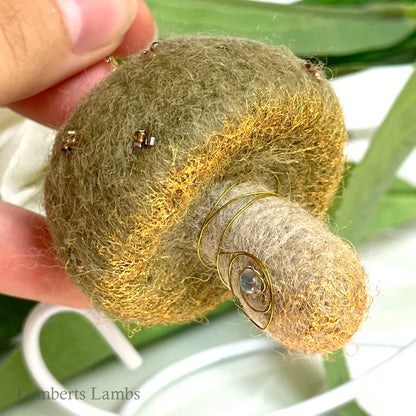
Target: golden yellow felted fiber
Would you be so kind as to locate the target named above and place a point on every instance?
(125, 213)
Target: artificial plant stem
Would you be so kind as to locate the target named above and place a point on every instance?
(337, 373)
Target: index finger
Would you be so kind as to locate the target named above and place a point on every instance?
(29, 267)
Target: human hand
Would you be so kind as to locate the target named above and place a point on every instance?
(53, 52)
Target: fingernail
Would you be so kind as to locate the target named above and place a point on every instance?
(93, 24)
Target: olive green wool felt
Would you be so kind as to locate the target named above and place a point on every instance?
(126, 212)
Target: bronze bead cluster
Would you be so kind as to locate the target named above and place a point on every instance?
(152, 48)
(142, 139)
(70, 141)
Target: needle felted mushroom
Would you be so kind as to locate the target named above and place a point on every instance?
(201, 171)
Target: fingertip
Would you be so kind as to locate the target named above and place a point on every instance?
(142, 32)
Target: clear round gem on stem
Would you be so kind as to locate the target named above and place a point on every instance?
(250, 282)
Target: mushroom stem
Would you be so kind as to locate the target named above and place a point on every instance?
(291, 275)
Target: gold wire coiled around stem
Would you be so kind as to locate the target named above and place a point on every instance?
(264, 274)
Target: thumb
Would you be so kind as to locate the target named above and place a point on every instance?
(43, 42)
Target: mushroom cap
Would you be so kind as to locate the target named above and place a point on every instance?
(121, 214)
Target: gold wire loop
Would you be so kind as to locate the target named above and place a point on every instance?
(264, 276)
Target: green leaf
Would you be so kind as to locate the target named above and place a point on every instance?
(391, 144)
(12, 314)
(306, 30)
(342, 3)
(337, 374)
(400, 53)
(71, 345)
(346, 39)
(397, 206)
